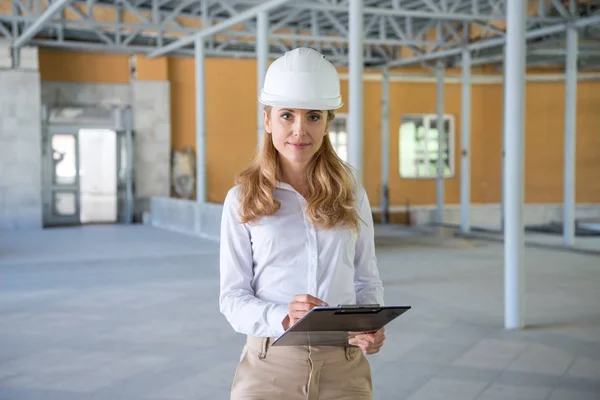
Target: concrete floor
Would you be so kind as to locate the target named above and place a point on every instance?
(126, 313)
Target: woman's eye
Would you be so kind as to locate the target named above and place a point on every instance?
(286, 116)
(315, 117)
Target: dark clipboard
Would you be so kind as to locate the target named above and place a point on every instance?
(333, 326)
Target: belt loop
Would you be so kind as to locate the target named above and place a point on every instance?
(263, 348)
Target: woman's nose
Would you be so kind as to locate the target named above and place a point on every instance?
(299, 126)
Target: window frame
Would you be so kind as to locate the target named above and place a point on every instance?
(343, 116)
(427, 118)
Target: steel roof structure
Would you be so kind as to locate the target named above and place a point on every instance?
(395, 32)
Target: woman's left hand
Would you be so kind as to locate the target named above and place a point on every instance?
(370, 343)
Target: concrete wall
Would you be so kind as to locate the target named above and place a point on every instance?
(21, 97)
(186, 216)
(150, 101)
(204, 220)
(490, 215)
(84, 94)
(152, 127)
(20, 144)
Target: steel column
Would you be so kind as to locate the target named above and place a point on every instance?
(200, 121)
(465, 173)
(514, 125)
(262, 55)
(439, 218)
(355, 56)
(129, 178)
(385, 144)
(503, 159)
(570, 136)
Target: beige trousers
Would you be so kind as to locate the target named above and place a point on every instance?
(300, 373)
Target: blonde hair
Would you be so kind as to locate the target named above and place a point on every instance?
(331, 186)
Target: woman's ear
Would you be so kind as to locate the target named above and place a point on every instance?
(267, 122)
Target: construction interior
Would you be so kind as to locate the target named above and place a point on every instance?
(123, 124)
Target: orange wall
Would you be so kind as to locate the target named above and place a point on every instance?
(65, 66)
(231, 116)
(544, 142)
(231, 121)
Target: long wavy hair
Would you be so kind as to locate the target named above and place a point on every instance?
(331, 185)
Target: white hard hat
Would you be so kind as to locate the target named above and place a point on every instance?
(302, 78)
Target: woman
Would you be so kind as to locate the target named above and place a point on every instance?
(296, 233)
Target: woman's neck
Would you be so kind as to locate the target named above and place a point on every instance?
(295, 176)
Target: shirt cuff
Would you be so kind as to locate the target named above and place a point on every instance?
(276, 317)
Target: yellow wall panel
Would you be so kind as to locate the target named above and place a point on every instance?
(231, 107)
(231, 101)
(155, 69)
(57, 65)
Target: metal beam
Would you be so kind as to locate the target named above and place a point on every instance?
(561, 9)
(548, 30)
(99, 26)
(570, 137)
(399, 12)
(199, 68)
(385, 144)
(39, 23)
(465, 139)
(241, 17)
(262, 55)
(514, 125)
(439, 218)
(356, 135)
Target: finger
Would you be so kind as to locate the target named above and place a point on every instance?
(297, 315)
(373, 350)
(360, 343)
(307, 298)
(300, 307)
(370, 338)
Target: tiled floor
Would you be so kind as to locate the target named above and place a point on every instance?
(131, 313)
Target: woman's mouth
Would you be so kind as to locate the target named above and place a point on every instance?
(299, 145)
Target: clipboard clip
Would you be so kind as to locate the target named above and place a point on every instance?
(358, 306)
(358, 309)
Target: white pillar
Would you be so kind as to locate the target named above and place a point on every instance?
(570, 136)
(262, 58)
(200, 122)
(503, 159)
(129, 200)
(439, 218)
(514, 125)
(355, 54)
(385, 143)
(465, 169)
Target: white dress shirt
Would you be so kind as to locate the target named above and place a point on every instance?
(265, 263)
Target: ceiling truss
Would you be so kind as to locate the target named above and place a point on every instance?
(393, 29)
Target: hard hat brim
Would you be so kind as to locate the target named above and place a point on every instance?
(306, 104)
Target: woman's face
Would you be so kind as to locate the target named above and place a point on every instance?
(296, 133)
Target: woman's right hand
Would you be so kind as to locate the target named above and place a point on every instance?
(300, 305)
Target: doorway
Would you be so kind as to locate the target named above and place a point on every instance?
(88, 177)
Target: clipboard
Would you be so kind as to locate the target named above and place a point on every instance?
(333, 326)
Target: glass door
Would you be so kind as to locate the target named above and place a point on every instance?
(61, 197)
(88, 163)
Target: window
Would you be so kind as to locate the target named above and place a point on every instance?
(418, 146)
(338, 135)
